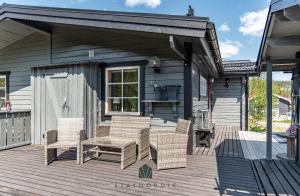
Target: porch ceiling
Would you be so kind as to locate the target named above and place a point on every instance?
(281, 40)
(11, 31)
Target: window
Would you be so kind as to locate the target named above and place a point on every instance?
(122, 90)
(2, 90)
(203, 86)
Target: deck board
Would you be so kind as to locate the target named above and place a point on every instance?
(22, 170)
(254, 145)
(278, 177)
(226, 143)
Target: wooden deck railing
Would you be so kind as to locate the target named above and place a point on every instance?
(15, 129)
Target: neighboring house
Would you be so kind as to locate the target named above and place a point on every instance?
(284, 105)
(61, 62)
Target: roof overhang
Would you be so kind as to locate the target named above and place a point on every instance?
(154, 23)
(198, 30)
(281, 39)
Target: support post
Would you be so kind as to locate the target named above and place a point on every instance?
(269, 111)
(188, 99)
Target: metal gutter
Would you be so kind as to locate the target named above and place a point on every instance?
(214, 45)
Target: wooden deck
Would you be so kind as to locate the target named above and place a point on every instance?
(234, 165)
(278, 177)
(254, 145)
(22, 172)
(226, 143)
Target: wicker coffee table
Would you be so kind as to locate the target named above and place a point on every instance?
(93, 147)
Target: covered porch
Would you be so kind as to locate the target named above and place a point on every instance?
(279, 51)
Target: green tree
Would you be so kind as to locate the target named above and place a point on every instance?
(258, 96)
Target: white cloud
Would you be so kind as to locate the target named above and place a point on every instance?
(224, 28)
(253, 23)
(148, 3)
(230, 48)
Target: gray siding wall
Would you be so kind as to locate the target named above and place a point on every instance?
(53, 88)
(18, 58)
(73, 45)
(229, 103)
(199, 103)
(70, 44)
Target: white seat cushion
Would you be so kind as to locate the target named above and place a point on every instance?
(62, 144)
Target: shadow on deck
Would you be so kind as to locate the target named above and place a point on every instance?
(273, 177)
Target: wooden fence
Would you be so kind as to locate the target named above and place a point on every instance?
(15, 129)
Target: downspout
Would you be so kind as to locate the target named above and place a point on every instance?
(247, 103)
(50, 47)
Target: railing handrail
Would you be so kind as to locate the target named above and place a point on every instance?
(15, 111)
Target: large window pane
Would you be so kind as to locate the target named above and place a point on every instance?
(130, 75)
(115, 90)
(115, 76)
(2, 82)
(130, 105)
(130, 90)
(115, 105)
(122, 89)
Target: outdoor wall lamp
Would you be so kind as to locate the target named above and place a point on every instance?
(226, 83)
(154, 62)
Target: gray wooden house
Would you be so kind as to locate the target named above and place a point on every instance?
(284, 105)
(94, 64)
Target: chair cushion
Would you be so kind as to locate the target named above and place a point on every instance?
(128, 126)
(68, 129)
(61, 144)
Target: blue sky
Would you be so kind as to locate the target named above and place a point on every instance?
(239, 23)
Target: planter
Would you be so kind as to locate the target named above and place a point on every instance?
(173, 92)
(157, 92)
(163, 93)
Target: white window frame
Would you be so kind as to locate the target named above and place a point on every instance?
(122, 83)
(5, 95)
(203, 86)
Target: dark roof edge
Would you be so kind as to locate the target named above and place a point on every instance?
(263, 40)
(153, 23)
(102, 12)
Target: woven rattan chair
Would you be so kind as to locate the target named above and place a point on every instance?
(131, 128)
(170, 148)
(68, 135)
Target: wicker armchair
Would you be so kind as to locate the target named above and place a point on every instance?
(170, 148)
(130, 128)
(68, 135)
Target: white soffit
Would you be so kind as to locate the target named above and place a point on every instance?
(12, 31)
